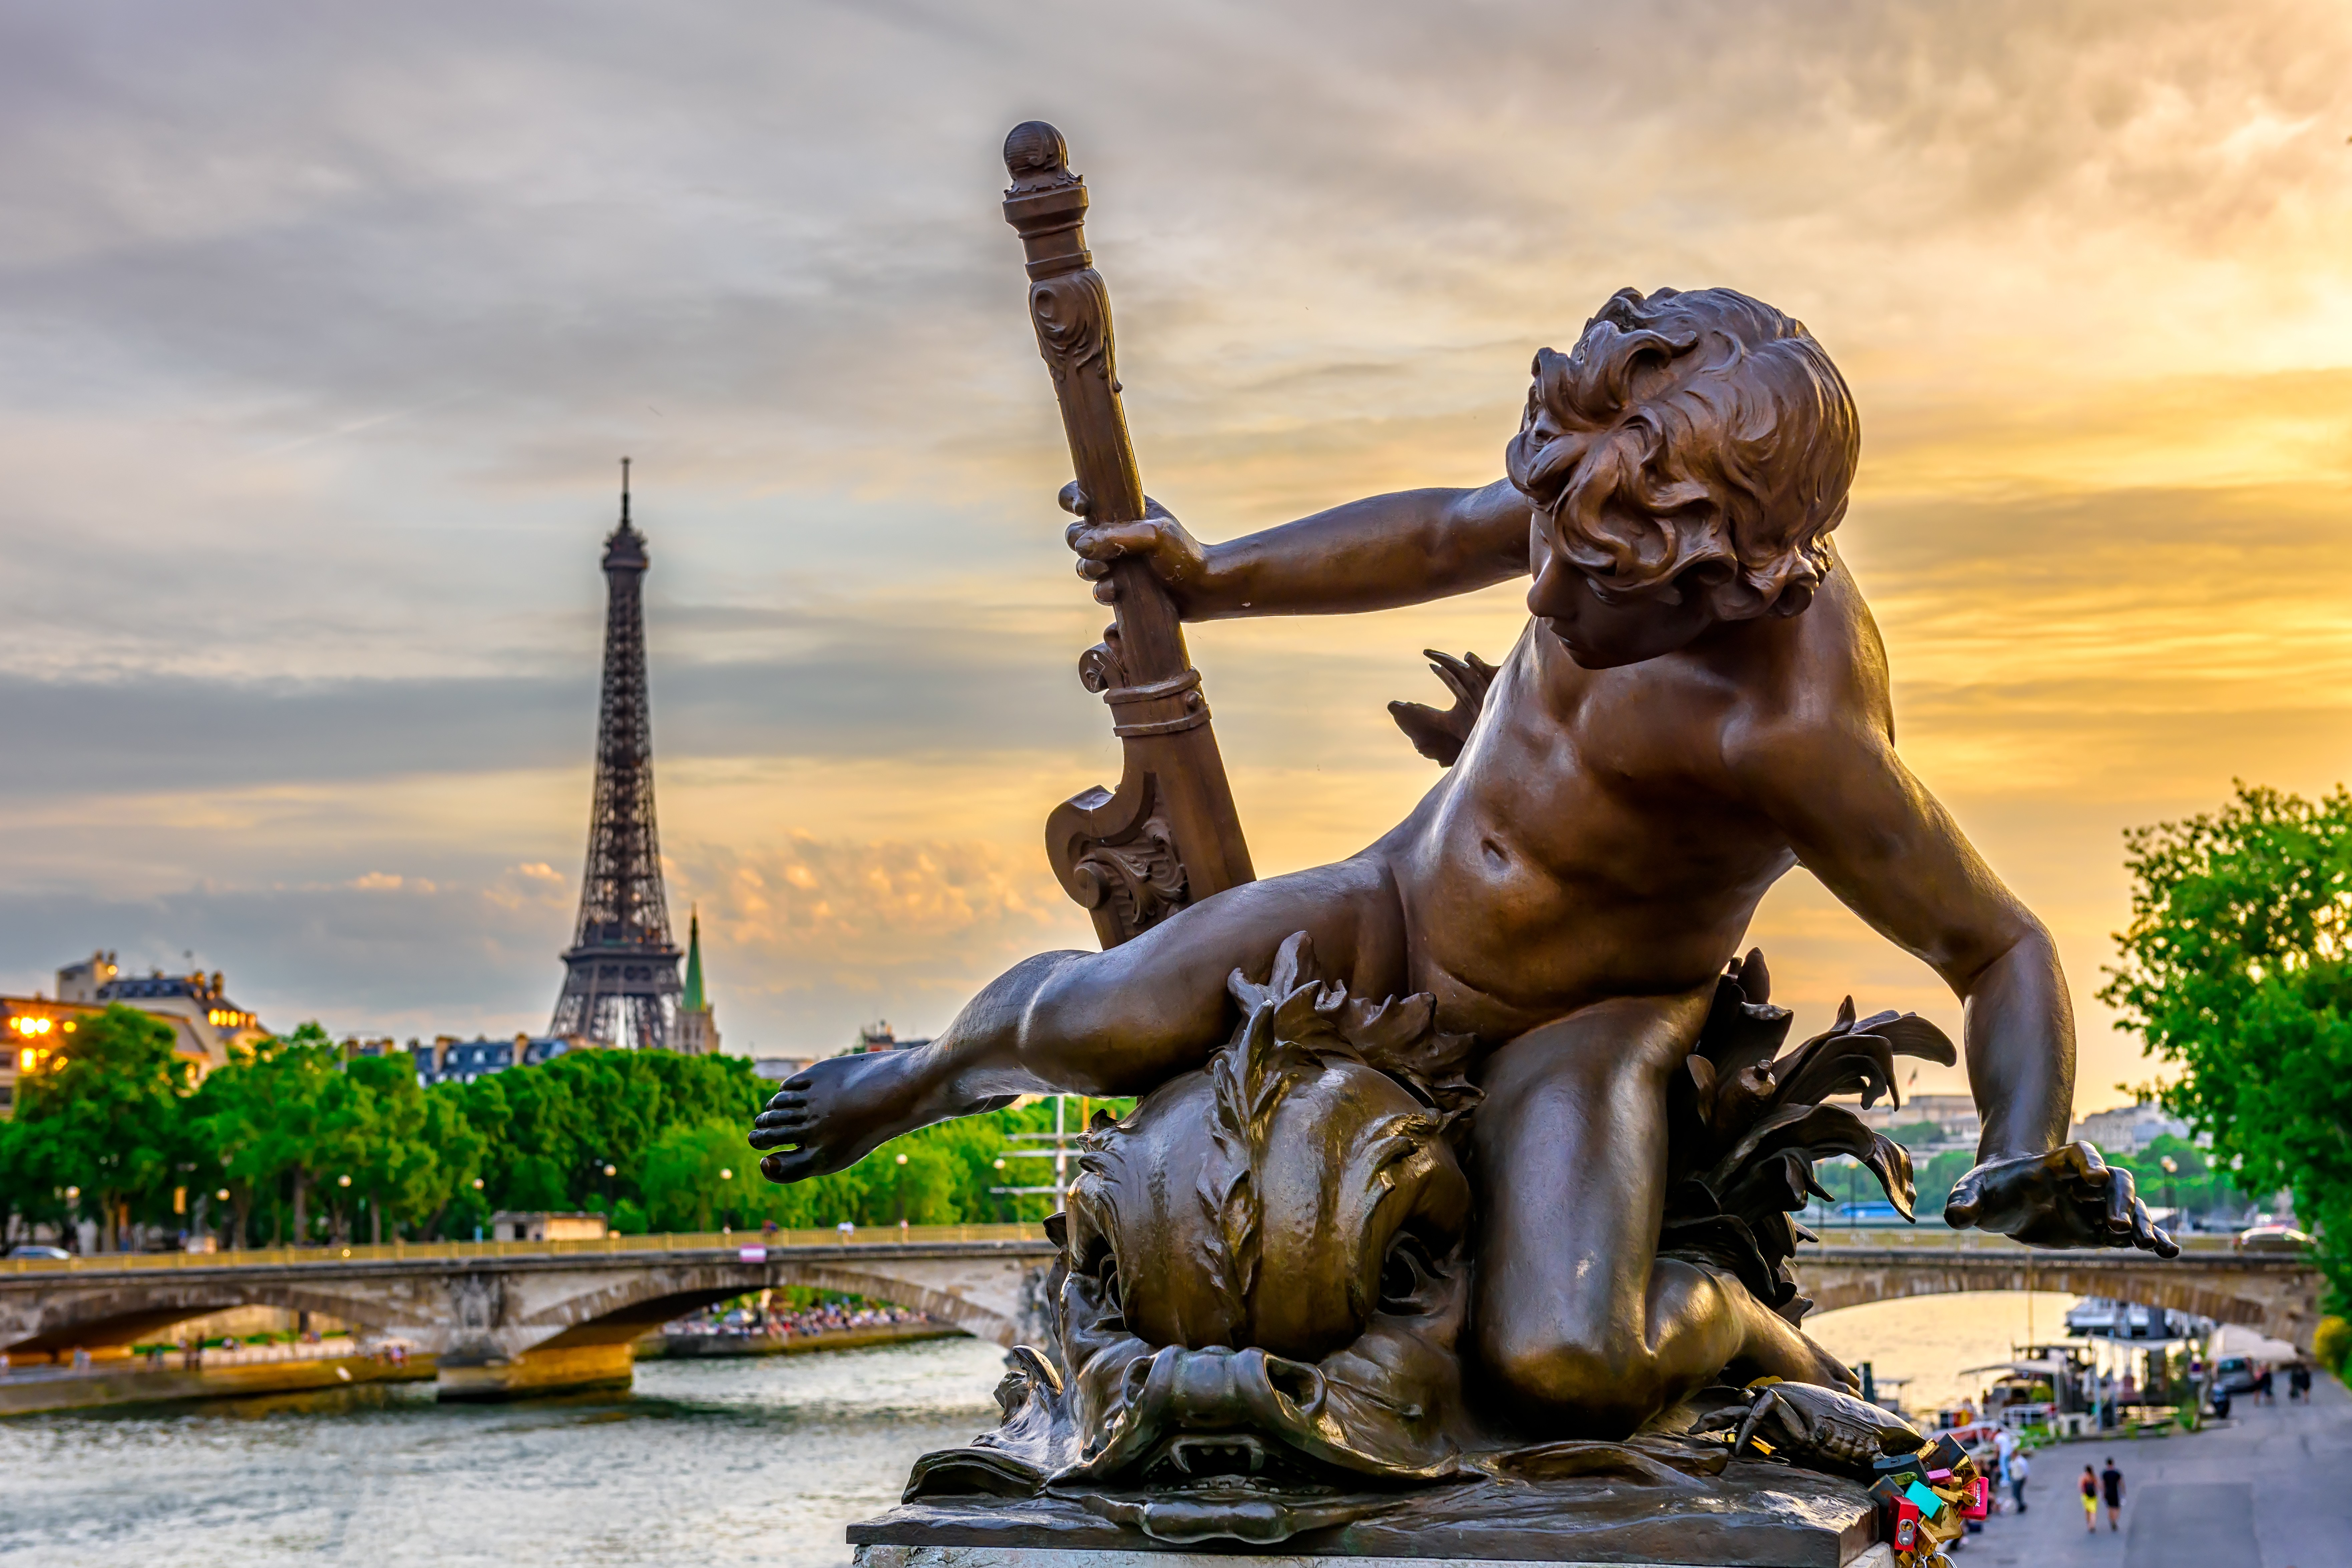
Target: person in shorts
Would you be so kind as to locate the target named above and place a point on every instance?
(2090, 1500)
(2021, 1470)
(2111, 1482)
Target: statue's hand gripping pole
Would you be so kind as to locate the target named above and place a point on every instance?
(1168, 835)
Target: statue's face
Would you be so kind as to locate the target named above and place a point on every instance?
(1298, 1321)
(1601, 633)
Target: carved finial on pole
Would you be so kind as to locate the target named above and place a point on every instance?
(1035, 154)
(1170, 835)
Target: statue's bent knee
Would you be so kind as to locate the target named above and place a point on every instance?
(1558, 1384)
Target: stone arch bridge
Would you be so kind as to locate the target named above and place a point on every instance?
(507, 1318)
(510, 1317)
(2277, 1294)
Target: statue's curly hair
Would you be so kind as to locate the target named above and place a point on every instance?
(1700, 436)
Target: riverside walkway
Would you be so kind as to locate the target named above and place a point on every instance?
(2264, 1490)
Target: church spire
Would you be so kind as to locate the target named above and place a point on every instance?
(692, 1001)
(697, 1030)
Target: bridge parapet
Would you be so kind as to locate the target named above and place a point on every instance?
(602, 1246)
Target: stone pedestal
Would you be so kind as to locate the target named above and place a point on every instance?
(1753, 1516)
(550, 1370)
(1045, 1557)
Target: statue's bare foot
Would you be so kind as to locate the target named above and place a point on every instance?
(840, 1111)
(844, 1107)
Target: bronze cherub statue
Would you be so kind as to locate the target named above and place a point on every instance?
(1698, 703)
(1265, 1267)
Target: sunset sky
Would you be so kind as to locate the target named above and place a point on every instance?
(321, 331)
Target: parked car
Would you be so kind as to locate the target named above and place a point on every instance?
(33, 1249)
(2271, 1238)
(2235, 1375)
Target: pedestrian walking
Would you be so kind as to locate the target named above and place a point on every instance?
(2111, 1482)
(2263, 1387)
(2090, 1500)
(2021, 1470)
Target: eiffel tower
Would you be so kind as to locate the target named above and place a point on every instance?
(620, 977)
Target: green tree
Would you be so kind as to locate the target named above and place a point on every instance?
(103, 1115)
(377, 1127)
(683, 1187)
(264, 1118)
(2237, 968)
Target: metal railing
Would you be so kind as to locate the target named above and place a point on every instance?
(608, 1245)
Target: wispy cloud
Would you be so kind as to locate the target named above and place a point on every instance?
(320, 333)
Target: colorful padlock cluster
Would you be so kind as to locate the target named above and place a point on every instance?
(1926, 1499)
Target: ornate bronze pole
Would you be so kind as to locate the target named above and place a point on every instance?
(1169, 835)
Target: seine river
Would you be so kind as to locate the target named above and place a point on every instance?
(707, 1463)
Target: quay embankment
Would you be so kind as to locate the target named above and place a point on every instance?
(302, 1368)
(657, 1347)
(217, 1374)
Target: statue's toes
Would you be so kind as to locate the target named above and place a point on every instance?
(796, 1165)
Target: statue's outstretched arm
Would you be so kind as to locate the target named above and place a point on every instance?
(1888, 849)
(1404, 548)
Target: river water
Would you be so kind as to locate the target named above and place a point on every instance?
(710, 1463)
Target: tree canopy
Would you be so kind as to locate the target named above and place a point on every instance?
(2237, 969)
(309, 1144)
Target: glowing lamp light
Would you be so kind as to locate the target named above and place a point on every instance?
(72, 1194)
(342, 1181)
(221, 1195)
(902, 1159)
(612, 1169)
(477, 1183)
(726, 1174)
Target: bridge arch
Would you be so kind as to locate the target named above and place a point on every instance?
(613, 1309)
(2281, 1299)
(121, 1314)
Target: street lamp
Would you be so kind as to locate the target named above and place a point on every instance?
(2171, 1169)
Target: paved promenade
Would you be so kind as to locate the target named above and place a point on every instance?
(2274, 1489)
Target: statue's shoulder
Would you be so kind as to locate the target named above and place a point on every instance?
(1821, 677)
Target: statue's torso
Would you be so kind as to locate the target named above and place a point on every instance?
(1592, 841)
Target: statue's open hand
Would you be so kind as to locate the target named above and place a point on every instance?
(1157, 538)
(2068, 1197)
